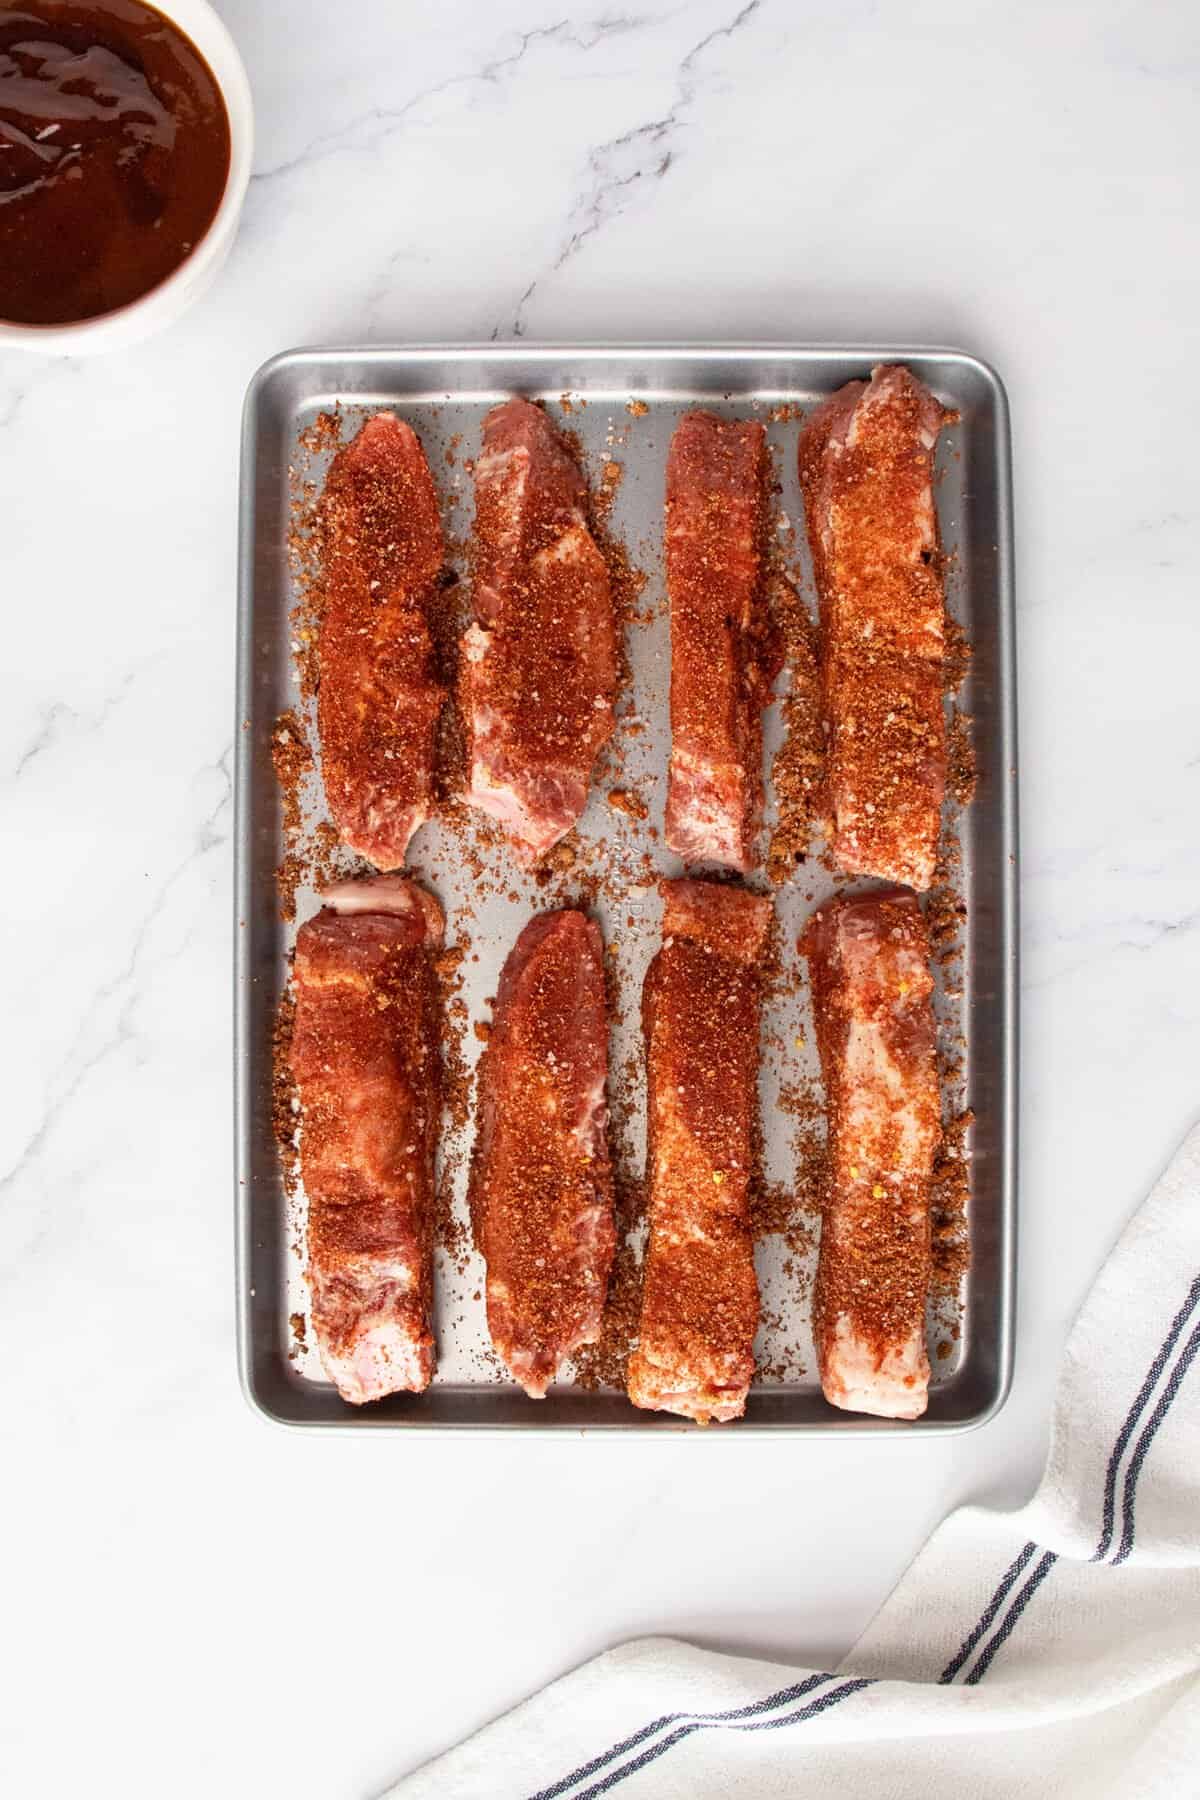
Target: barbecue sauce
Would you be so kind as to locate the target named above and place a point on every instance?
(114, 153)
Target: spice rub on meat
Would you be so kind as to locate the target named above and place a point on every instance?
(539, 664)
(365, 1058)
(721, 655)
(869, 961)
(866, 470)
(700, 1004)
(541, 1184)
(380, 696)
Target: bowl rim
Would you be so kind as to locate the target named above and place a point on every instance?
(209, 35)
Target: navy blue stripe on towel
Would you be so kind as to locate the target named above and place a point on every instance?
(690, 1720)
(1165, 1401)
(1041, 1570)
(820, 1704)
(1108, 1521)
(1003, 1588)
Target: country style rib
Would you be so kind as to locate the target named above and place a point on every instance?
(721, 663)
(869, 962)
(380, 696)
(365, 1058)
(866, 470)
(700, 1005)
(539, 664)
(541, 1183)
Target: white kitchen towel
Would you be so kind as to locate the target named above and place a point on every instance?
(1053, 1651)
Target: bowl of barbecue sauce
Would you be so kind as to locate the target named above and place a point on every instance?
(125, 143)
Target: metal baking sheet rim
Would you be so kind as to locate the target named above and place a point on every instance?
(591, 356)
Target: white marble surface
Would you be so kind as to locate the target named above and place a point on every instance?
(196, 1604)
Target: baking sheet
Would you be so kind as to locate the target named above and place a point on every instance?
(622, 406)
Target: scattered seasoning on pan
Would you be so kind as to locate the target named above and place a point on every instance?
(456, 1077)
(960, 750)
(293, 761)
(448, 964)
(290, 877)
(305, 554)
(627, 583)
(776, 1362)
(957, 653)
(945, 919)
(611, 475)
(285, 1102)
(327, 853)
(777, 1211)
(949, 1193)
(313, 856)
(945, 913)
(811, 1153)
(637, 409)
(798, 771)
(791, 1212)
(624, 800)
(447, 614)
(324, 434)
(564, 855)
(451, 1232)
(605, 1363)
(960, 758)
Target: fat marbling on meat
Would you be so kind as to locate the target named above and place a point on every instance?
(866, 471)
(539, 662)
(380, 696)
(872, 999)
(541, 1182)
(722, 651)
(365, 1058)
(700, 1006)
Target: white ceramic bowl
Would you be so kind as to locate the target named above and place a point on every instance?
(164, 303)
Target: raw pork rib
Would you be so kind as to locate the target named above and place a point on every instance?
(866, 470)
(541, 1185)
(869, 960)
(700, 1010)
(379, 696)
(540, 660)
(720, 662)
(365, 1058)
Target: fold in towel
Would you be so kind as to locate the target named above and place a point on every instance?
(1053, 1651)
